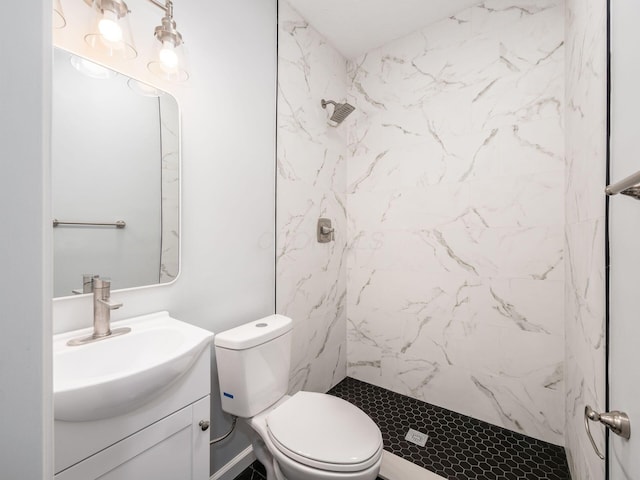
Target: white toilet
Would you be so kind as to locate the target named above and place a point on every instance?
(307, 436)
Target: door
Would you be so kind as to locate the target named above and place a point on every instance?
(624, 238)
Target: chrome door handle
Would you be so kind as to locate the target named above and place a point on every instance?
(617, 422)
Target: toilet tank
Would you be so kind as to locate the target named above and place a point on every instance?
(253, 365)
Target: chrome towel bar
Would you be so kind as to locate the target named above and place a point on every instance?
(627, 186)
(118, 224)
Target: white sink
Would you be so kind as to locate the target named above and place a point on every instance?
(118, 375)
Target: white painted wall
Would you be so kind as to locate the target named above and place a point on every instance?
(25, 285)
(624, 229)
(228, 167)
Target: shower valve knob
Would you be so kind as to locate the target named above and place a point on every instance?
(325, 231)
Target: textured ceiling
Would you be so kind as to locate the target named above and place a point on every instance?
(356, 26)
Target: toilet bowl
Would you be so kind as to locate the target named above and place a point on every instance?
(318, 436)
(306, 436)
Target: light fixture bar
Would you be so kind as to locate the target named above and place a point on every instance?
(159, 4)
(117, 6)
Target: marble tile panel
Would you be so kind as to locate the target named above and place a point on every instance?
(298, 248)
(530, 96)
(311, 183)
(510, 252)
(525, 200)
(407, 209)
(503, 201)
(319, 354)
(586, 144)
(313, 164)
(400, 310)
(492, 15)
(170, 254)
(455, 183)
(518, 404)
(364, 361)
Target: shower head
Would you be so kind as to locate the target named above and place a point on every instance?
(340, 112)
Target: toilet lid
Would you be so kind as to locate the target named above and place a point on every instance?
(317, 429)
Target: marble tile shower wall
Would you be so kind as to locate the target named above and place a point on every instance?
(586, 143)
(455, 194)
(170, 253)
(311, 183)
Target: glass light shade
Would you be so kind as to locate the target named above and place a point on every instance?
(144, 89)
(169, 62)
(58, 15)
(109, 31)
(91, 69)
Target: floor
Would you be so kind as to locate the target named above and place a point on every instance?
(458, 447)
(254, 472)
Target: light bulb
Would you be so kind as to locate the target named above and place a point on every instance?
(168, 57)
(109, 28)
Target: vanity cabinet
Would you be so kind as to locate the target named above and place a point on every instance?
(173, 448)
(161, 440)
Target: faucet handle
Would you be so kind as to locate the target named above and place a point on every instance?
(109, 305)
(102, 293)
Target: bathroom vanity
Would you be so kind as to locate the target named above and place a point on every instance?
(134, 406)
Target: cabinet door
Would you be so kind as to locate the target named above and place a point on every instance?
(173, 448)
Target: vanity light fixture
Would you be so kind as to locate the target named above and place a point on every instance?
(110, 34)
(58, 15)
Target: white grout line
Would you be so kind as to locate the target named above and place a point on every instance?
(396, 468)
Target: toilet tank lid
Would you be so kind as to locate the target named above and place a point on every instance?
(254, 333)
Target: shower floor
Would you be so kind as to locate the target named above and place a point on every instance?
(458, 447)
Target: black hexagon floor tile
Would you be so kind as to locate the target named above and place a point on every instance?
(253, 472)
(459, 447)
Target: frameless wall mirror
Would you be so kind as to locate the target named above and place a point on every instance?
(115, 174)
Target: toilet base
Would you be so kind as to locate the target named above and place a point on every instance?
(266, 459)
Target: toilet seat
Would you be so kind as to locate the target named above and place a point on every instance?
(324, 432)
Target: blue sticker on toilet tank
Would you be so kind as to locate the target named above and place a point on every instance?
(227, 394)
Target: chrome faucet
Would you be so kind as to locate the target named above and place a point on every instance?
(102, 307)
